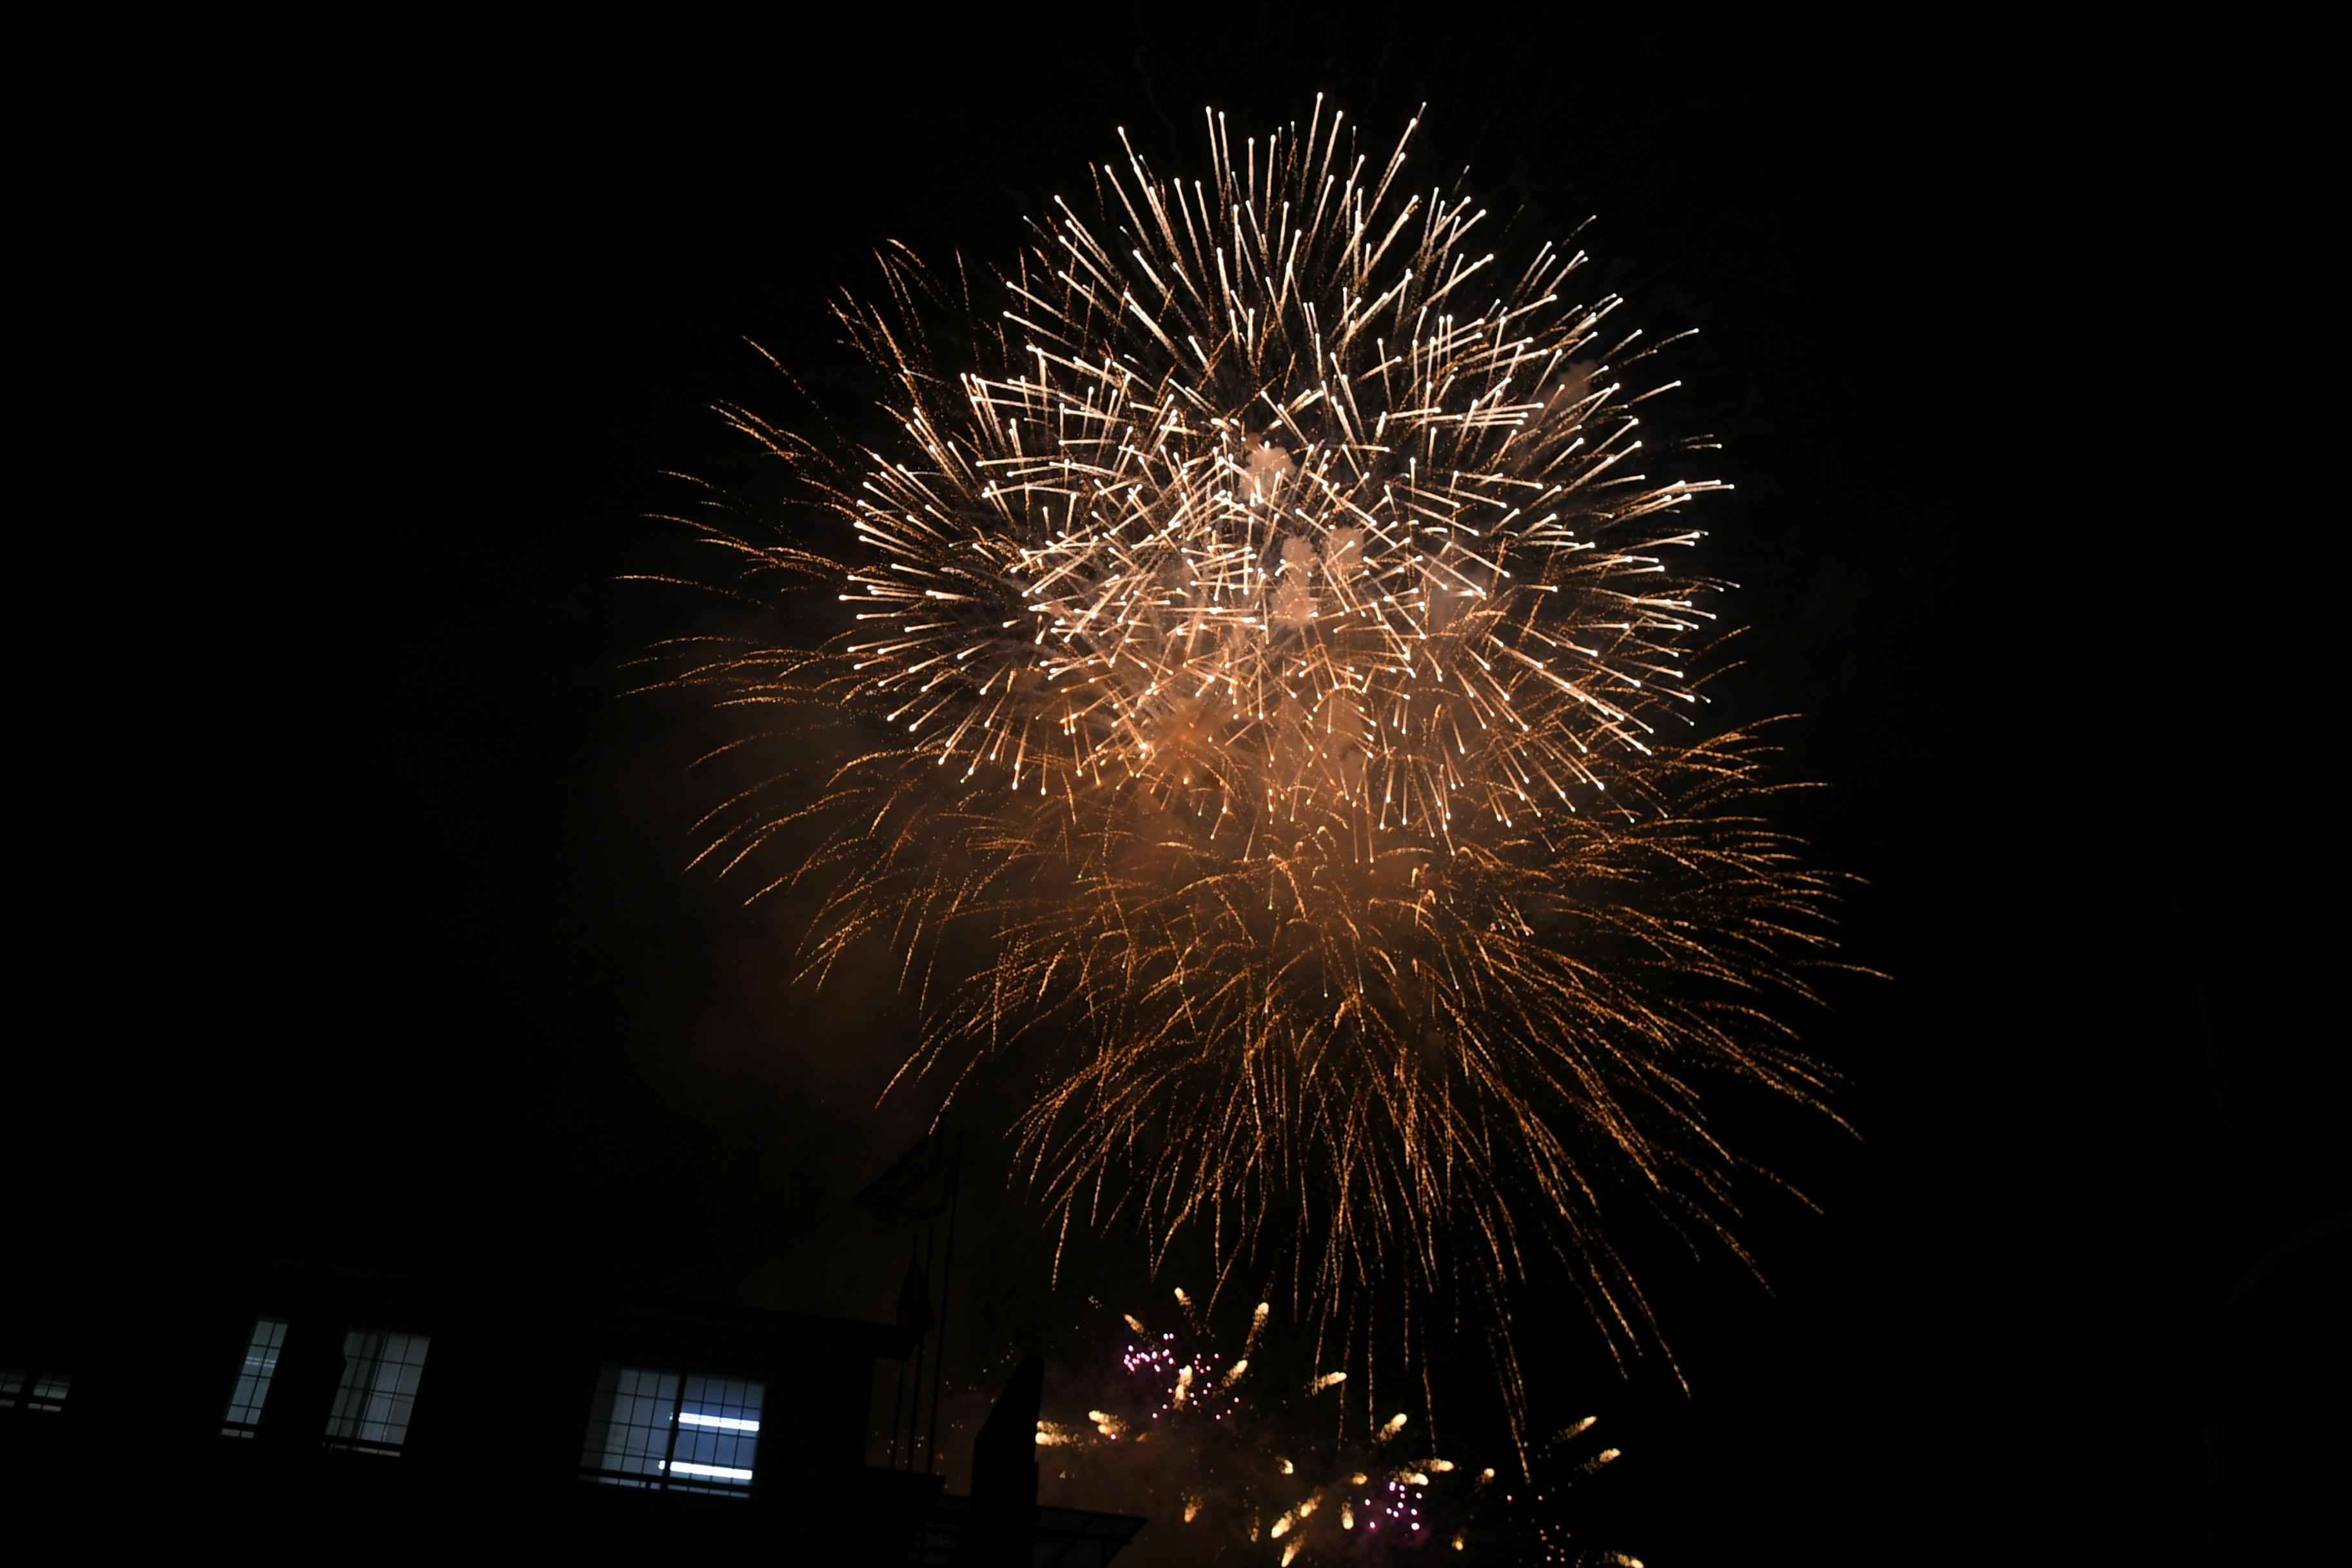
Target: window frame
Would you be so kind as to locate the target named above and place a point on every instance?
(251, 1391)
(717, 1415)
(355, 1406)
(36, 1390)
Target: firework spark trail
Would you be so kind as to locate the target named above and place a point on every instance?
(1268, 647)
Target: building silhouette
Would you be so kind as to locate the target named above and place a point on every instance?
(281, 1407)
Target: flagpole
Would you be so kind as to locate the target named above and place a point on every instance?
(947, 1281)
(915, 1402)
(899, 1383)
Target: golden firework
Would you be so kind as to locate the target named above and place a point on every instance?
(1268, 653)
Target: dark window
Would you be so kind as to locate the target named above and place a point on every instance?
(253, 1379)
(33, 1390)
(678, 1431)
(379, 1390)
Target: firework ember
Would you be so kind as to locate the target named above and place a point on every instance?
(1271, 652)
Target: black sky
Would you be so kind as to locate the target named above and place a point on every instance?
(366, 930)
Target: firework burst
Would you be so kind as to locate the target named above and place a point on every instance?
(1268, 654)
(1235, 1454)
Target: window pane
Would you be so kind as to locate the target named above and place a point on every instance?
(378, 1394)
(629, 1436)
(650, 1427)
(718, 1433)
(33, 1390)
(252, 1389)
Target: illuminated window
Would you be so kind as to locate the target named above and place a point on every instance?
(676, 1431)
(253, 1379)
(34, 1390)
(378, 1392)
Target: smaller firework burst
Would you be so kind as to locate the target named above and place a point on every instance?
(1232, 1454)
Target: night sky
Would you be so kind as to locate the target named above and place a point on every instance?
(358, 883)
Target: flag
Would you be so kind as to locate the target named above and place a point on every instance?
(913, 1190)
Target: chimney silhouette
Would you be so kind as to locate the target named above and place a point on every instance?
(1002, 1522)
